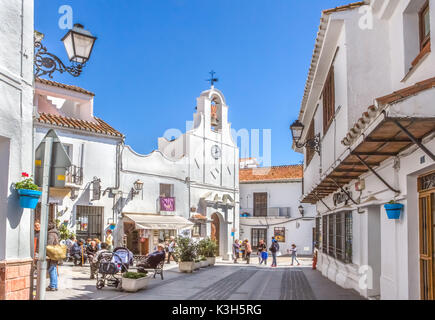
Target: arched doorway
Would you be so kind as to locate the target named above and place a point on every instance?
(215, 230)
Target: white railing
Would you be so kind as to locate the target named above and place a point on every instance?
(271, 212)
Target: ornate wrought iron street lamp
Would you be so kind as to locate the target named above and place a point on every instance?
(78, 45)
(297, 129)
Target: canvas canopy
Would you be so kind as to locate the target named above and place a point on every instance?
(158, 222)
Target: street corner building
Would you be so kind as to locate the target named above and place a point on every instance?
(270, 207)
(82, 197)
(16, 109)
(189, 186)
(369, 99)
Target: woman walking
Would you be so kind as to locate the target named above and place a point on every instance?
(293, 253)
(52, 240)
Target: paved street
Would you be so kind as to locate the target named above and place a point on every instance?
(225, 281)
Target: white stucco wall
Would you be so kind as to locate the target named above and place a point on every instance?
(377, 63)
(280, 195)
(16, 107)
(99, 160)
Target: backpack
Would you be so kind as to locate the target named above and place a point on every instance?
(274, 247)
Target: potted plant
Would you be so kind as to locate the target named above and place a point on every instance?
(185, 253)
(208, 249)
(393, 209)
(211, 251)
(28, 191)
(197, 264)
(204, 262)
(134, 281)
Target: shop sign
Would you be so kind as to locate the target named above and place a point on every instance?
(341, 197)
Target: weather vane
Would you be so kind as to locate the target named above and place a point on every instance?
(212, 80)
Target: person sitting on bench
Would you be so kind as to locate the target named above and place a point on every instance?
(152, 260)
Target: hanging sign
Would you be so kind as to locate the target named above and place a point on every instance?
(167, 204)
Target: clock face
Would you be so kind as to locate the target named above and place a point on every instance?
(216, 152)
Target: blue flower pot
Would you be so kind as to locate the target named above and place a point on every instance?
(29, 198)
(393, 210)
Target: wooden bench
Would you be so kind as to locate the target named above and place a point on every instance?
(157, 270)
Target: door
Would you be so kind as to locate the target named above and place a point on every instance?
(260, 204)
(144, 246)
(256, 236)
(215, 228)
(427, 241)
(89, 222)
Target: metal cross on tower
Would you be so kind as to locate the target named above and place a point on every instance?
(212, 80)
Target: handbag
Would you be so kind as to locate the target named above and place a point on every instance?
(56, 252)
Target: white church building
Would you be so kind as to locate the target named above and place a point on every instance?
(189, 186)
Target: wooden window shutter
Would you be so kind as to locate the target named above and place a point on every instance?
(310, 135)
(328, 100)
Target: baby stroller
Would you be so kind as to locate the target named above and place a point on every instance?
(111, 267)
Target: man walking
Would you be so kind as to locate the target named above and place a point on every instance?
(236, 250)
(274, 249)
(248, 249)
(260, 249)
(171, 249)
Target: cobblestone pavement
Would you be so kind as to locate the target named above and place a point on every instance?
(225, 281)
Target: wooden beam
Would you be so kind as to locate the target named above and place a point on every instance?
(350, 170)
(386, 140)
(375, 153)
(375, 164)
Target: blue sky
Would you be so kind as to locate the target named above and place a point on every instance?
(152, 57)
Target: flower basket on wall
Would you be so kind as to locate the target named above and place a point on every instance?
(394, 210)
(28, 192)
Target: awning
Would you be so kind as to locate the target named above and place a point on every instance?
(158, 222)
(387, 140)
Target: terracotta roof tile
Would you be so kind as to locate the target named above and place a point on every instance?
(406, 92)
(99, 126)
(345, 7)
(64, 86)
(277, 173)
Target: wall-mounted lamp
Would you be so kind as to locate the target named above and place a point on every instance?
(137, 187)
(301, 210)
(297, 128)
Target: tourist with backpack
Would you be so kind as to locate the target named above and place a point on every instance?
(274, 249)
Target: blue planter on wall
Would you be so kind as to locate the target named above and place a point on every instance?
(29, 198)
(393, 210)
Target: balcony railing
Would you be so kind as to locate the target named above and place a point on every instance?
(74, 175)
(283, 212)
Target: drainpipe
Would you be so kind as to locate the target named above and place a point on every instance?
(117, 176)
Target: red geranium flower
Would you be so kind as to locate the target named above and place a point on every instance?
(24, 174)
